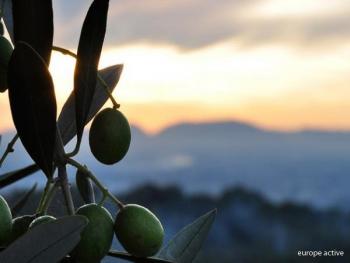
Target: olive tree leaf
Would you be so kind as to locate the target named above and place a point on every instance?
(49, 242)
(88, 56)
(33, 105)
(13, 176)
(66, 120)
(85, 187)
(33, 23)
(126, 256)
(20, 203)
(8, 18)
(184, 247)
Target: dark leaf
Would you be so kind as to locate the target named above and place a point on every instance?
(11, 177)
(49, 242)
(17, 207)
(88, 56)
(60, 153)
(33, 105)
(66, 120)
(85, 187)
(184, 247)
(8, 18)
(132, 258)
(33, 23)
(68, 259)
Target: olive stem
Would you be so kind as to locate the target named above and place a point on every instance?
(64, 51)
(103, 199)
(39, 210)
(99, 78)
(50, 195)
(75, 151)
(9, 149)
(62, 174)
(105, 192)
(116, 105)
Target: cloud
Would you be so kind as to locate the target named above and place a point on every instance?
(191, 24)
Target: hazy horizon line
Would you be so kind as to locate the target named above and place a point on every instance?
(251, 124)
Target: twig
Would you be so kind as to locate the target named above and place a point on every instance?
(62, 174)
(50, 195)
(104, 190)
(9, 149)
(116, 105)
(64, 51)
(39, 210)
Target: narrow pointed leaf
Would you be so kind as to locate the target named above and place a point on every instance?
(66, 120)
(13, 176)
(49, 242)
(33, 23)
(126, 256)
(8, 17)
(184, 247)
(33, 105)
(21, 202)
(88, 56)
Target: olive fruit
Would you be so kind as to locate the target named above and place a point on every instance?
(85, 187)
(40, 220)
(96, 238)
(139, 230)
(109, 136)
(6, 50)
(5, 222)
(20, 226)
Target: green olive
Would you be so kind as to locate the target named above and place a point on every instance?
(96, 238)
(5, 222)
(20, 226)
(6, 50)
(139, 231)
(109, 136)
(41, 220)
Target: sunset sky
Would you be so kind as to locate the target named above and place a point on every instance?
(278, 64)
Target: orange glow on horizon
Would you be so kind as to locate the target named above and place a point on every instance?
(155, 117)
(272, 87)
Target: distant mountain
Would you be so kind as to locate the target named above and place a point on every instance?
(310, 166)
(212, 129)
(138, 133)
